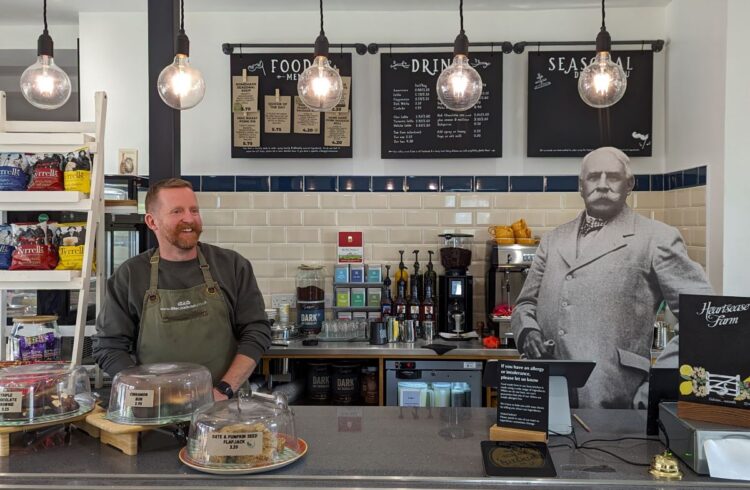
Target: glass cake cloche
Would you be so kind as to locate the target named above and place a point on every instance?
(40, 393)
(160, 393)
(253, 432)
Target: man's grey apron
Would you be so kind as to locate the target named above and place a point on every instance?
(186, 325)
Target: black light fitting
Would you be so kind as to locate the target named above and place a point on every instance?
(461, 44)
(183, 43)
(45, 46)
(603, 39)
(321, 42)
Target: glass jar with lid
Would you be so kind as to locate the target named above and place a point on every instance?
(251, 431)
(310, 284)
(35, 338)
(38, 393)
(160, 393)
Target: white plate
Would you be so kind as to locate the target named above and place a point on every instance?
(244, 470)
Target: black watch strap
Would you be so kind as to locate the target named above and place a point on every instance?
(225, 389)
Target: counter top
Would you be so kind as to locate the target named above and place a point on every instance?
(463, 349)
(364, 447)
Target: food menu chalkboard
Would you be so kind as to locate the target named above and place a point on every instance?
(714, 346)
(415, 124)
(270, 121)
(561, 124)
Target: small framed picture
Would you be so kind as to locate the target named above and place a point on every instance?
(128, 158)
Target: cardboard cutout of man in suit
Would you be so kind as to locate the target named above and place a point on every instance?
(595, 285)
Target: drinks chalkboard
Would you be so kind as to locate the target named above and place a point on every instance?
(270, 121)
(415, 124)
(714, 361)
(560, 124)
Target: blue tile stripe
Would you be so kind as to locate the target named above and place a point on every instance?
(680, 179)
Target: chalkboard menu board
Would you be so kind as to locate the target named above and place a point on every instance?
(415, 124)
(714, 346)
(270, 121)
(560, 124)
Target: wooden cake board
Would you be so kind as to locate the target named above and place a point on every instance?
(714, 413)
(121, 436)
(79, 421)
(514, 435)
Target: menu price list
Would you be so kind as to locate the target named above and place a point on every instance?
(415, 124)
(269, 120)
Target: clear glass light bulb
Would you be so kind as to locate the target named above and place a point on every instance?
(45, 85)
(603, 82)
(180, 85)
(459, 86)
(320, 86)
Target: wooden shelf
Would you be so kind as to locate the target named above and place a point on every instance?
(44, 201)
(41, 279)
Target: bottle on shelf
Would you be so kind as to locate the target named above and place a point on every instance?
(430, 272)
(413, 306)
(418, 277)
(386, 299)
(402, 273)
(399, 304)
(428, 305)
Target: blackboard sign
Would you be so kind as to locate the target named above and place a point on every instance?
(560, 124)
(714, 347)
(270, 121)
(415, 124)
(523, 395)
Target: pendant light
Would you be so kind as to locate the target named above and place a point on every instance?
(602, 83)
(320, 86)
(459, 86)
(44, 84)
(180, 85)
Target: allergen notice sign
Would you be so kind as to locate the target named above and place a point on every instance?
(523, 395)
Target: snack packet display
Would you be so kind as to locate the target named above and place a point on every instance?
(77, 170)
(6, 246)
(71, 241)
(46, 172)
(14, 172)
(35, 246)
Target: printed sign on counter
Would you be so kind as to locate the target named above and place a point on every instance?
(523, 395)
(561, 124)
(415, 124)
(235, 444)
(10, 401)
(139, 398)
(714, 346)
(287, 131)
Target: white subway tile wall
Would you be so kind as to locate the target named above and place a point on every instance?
(279, 231)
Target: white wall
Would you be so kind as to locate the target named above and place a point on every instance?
(695, 92)
(25, 37)
(114, 58)
(736, 167)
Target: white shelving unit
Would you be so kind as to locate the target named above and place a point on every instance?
(58, 137)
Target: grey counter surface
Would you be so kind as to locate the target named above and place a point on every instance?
(374, 447)
(462, 349)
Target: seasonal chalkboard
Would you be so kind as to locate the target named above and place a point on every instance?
(714, 361)
(270, 121)
(415, 124)
(561, 124)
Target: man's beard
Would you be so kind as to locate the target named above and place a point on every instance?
(185, 241)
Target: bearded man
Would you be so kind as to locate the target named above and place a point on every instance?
(596, 283)
(184, 301)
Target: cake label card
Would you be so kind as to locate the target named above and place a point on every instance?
(239, 444)
(140, 398)
(10, 401)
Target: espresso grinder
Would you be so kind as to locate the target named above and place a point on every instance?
(455, 286)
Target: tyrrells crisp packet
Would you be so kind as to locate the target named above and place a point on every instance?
(71, 241)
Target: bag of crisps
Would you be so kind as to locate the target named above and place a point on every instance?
(14, 172)
(77, 170)
(71, 241)
(6, 246)
(35, 246)
(46, 172)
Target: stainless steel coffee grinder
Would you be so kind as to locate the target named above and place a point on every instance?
(456, 285)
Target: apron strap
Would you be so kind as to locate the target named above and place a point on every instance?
(154, 282)
(206, 271)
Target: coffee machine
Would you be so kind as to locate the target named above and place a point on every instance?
(455, 286)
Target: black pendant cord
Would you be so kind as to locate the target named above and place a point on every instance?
(604, 27)
(182, 15)
(45, 15)
(322, 32)
(461, 14)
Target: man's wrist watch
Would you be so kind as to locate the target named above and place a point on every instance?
(225, 389)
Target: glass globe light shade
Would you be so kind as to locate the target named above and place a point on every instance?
(320, 86)
(603, 82)
(180, 85)
(45, 85)
(459, 86)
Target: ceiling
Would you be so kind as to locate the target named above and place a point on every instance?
(24, 12)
